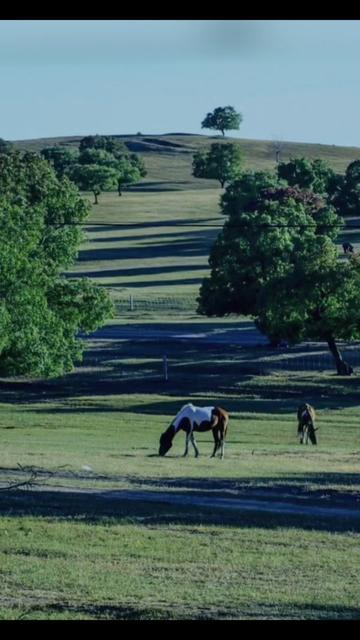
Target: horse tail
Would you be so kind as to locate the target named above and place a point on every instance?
(223, 420)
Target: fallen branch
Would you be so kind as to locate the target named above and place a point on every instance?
(30, 482)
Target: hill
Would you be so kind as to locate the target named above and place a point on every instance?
(168, 157)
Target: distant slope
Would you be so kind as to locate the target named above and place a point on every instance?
(168, 157)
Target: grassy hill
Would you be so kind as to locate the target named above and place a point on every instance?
(168, 157)
(155, 240)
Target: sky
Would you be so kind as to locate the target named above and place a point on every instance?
(292, 80)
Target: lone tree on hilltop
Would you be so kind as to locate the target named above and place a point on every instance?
(41, 311)
(222, 162)
(222, 119)
(276, 261)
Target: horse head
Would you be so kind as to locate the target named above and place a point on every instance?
(166, 441)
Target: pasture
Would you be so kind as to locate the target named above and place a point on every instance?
(73, 547)
(83, 556)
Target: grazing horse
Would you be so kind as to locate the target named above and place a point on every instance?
(190, 419)
(348, 248)
(306, 423)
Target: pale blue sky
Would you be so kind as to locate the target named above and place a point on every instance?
(292, 80)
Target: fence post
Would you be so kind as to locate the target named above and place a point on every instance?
(131, 302)
(165, 363)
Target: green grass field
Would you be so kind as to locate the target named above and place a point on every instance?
(81, 558)
(71, 556)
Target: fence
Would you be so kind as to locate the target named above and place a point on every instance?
(301, 361)
(158, 303)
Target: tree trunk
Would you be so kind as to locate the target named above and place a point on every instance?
(342, 367)
(96, 197)
(222, 182)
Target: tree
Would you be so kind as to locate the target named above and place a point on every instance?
(104, 164)
(222, 119)
(346, 195)
(314, 302)
(222, 162)
(341, 191)
(276, 261)
(42, 312)
(316, 175)
(61, 159)
(130, 169)
(94, 177)
(102, 142)
(5, 146)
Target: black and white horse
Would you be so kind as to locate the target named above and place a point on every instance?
(191, 419)
(306, 423)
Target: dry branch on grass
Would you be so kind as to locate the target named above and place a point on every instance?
(27, 484)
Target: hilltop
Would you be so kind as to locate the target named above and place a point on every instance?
(168, 157)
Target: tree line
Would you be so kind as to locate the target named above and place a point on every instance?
(275, 260)
(100, 164)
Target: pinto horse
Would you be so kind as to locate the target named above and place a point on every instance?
(190, 419)
(306, 423)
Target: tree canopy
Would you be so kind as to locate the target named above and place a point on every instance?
(6, 146)
(223, 162)
(276, 261)
(222, 119)
(101, 164)
(60, 158)
(41, 311)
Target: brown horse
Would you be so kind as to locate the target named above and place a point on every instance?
(306, 423)
(190, 419)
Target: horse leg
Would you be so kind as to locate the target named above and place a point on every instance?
(193, 442)
(217, 443)
(186, 445)
(222, 450)
(306, 435)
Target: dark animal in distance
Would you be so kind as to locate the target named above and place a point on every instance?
(200, 419)
(348, 248)
(306, 423)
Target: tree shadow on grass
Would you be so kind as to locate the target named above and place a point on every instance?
(228, 375)
(212, 611)
(124, 506)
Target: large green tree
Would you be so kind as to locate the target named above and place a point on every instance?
(41, 311)
(222, 119)
(276, 261)
(340, 190)
(222, 162)
(346, 197)
(316, 174)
